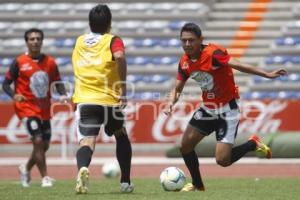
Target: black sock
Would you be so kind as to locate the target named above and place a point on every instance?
(192, 163)
(239, 151)
(124, 154)
(84, 156)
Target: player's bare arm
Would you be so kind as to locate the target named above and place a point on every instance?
(122, 69)
(174, 96)
(250, 69)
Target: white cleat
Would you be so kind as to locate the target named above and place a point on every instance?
(82, 181)
(24, 176)
(127, 188)
(47, 181)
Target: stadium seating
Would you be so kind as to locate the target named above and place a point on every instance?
(150, 31)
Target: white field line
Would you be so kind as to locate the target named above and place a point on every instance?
(145, 161)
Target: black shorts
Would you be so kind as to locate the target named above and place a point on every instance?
(38, 128)
(225, 125)
(90, 117)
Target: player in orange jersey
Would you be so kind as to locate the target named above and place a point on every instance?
(32, 74)
(211, 67)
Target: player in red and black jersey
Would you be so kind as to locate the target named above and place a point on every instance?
(211, 67)
(32, 74)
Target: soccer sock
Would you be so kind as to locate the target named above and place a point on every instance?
(124, 154)
(192, 163)
(239, 151)
(84, 156)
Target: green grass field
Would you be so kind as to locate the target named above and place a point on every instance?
(223, 189)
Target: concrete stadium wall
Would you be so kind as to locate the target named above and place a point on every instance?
(283, 145)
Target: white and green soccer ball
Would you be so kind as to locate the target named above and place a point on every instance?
(172, 179)
(111, 170)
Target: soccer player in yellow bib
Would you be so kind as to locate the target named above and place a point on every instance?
(100, 68)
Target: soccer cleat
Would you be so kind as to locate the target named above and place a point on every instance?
(261, 148)
(47, 181)
(24, 176)
(126, 188)
(189, 187)
(82, 181)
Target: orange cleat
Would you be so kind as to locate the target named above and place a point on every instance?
(261, 148)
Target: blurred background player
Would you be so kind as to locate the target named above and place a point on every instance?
(100, 69)
(211, 66)
(32, 74)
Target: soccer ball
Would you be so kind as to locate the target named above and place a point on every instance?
(111, 170)
(172, 179)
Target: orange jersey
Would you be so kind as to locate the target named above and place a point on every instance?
(32, 79)
(212, 73)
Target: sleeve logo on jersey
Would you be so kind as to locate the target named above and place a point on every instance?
(185, 65)
(204, 79)
(25, 67)
(39, 84)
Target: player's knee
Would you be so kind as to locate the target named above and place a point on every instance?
(37, 140)
(185, 149)
(224, 162)
(120, 132)
(88, 141)
(46, 146)
(186, 146)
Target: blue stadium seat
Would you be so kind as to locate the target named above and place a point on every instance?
(170, 43)
(4, 97)
(294, 77)
(160, 78)
(155, 25)
(260, 95)
(67, 42)
(166, 60)
(63, 61)
(13, 43)
(134, 78)
(138, 7)
(129, 26)
(176, 25)
(64, 8)
(147, 42)
(10, 7)
(116, 7)
(4, 26)
(259, 79)
(68, 78)
(287, 41)
(51, 26)
(6, 62)
(75, 26)
(145, 96)
(165, 7)
(140, 60)
(2, 79)
(35, 8)
(277, 59)
(295, 59)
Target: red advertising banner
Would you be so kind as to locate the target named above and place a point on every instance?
(146, 123)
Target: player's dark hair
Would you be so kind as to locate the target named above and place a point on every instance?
(100, 19)
(33, 30)
(191, 27)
